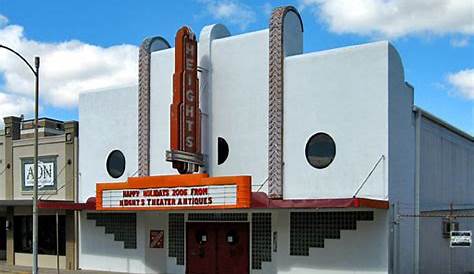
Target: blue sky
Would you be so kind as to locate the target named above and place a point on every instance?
(93, 44)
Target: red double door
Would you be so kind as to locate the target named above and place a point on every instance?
(217, 248)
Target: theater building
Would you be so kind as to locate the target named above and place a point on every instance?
(57, 182)
(242, 154)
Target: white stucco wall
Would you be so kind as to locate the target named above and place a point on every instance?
(364, 250)
(108, 121)
(99, 251)
(344, 93)
(239, 105)
(161, 94)
(235, 82)
(156, 260)
(349, 101)
(401, 160)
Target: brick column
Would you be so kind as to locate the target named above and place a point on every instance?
(71, 129)
(10, 237)
(12, 132)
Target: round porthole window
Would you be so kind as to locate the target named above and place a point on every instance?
(222, 150)
(115, 164)
(320, 150)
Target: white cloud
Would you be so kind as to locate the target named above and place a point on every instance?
(67, 68)
(463, 83)
(267, 8)
(3, 20)
(394, 18)
(459, 43)
(231, 11)
(13, 105)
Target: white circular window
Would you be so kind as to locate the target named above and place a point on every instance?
(320, 150)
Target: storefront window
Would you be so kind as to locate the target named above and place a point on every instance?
(320, 150)
(23, 229)
(116, 164)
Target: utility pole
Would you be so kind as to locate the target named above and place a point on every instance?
(35, 186)
(35, 71)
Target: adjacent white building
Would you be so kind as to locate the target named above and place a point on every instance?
(338, 162)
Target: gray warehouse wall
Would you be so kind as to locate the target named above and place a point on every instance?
(436, 256)
(446, 168)
(446, 180)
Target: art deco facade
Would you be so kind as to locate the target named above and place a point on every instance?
(307, 162)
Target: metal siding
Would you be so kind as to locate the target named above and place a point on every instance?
(447, 164)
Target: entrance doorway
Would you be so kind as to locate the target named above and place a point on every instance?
(217, 248)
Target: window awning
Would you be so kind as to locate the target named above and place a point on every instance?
(24, 202)
(67, 205)
(261, 200)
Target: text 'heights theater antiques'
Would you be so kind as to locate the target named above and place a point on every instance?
(171, 197)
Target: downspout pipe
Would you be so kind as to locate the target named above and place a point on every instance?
(416, 250)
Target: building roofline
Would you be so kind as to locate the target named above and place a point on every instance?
(444, 124)
(43, 118)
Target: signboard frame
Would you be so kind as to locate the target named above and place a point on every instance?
(466, 234)
(51, 159)
(241, 184)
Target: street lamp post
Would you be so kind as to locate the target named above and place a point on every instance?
(35, 71)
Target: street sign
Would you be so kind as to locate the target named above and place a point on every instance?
(461, 239)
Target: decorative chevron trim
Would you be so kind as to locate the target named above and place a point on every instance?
(144, 103)
(275, 115)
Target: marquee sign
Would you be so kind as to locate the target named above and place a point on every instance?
(196, 191)
(185, 132)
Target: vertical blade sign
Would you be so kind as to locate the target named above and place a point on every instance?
(185, 143)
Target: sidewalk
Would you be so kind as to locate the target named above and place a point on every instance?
(26, 270)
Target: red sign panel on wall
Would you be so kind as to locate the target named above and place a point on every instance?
(185, 135)
(157, 238)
